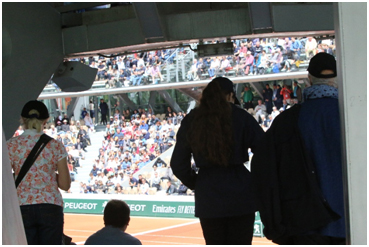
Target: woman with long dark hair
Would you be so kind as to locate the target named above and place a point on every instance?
(218, 135)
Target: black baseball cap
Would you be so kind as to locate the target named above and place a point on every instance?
(35, 105)
(322, 61)
(228, 87)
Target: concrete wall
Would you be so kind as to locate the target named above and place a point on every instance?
(34, 51)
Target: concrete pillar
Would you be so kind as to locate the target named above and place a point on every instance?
(171, 102)
(351, 40)
(152, 99)
(127, 101)
(72, 107)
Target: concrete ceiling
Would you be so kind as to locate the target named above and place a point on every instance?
(126, 27)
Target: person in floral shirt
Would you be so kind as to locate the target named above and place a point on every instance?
(40, 200)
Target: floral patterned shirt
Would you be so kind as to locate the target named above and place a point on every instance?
(39, 185)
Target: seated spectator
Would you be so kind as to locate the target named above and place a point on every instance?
(168, 174)
(52, 131)
(192, 73)
(156, 74)
(171, 188)
(73, 129)
(119, 190)
(79, 145)
(88, 122)
(126, 163)
(67, 141)
(101, 188)
(225, 66)
(84, 112)
(248, 63)
(214, 67)
(260, 109)
(155, 181)
(144, 187)
(65, 126)
(132, 181)
(275, 112)
(116, 220)
(182, 189)
(200, 68)
(110, 184)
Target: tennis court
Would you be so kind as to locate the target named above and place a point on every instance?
(149, 230)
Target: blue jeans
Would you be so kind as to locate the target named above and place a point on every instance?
(43, 223)
(211, 72)
(137, 80)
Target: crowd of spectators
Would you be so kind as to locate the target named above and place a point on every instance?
(131, 141)
(251, 57)
(274, 101)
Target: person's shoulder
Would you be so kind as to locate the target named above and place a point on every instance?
(130, 240)
(287, 118)
(239, 110)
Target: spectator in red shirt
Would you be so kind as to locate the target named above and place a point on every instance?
(286, 92)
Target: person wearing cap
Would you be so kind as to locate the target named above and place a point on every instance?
(143, 125)
(111, 121)
(65, 117)
(218, 134)
(300, 198)
(38, 192)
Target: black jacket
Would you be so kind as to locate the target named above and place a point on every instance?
(219, 191)
(287, 191)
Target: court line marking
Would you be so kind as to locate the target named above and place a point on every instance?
(73, 230)
(171, 243)
(165, 228)
(171, 236)
(143, 217)
(157, 230)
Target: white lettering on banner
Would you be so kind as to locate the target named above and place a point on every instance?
(189, 210)
(180, 209)
(163, 209)
(137, 207)
(103, 205)
(81, 205)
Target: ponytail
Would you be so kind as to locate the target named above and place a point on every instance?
(33, 123)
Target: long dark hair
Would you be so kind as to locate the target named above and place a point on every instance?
(211, 133)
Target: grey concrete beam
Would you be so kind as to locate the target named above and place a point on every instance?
(258, 88)
(194, 94)
(127, 101)
(149, 20)
(152, 99)
(72, 106)
(290, 17)
(261, 20)
(176, 85)
(166, 96)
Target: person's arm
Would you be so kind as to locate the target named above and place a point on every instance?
(181, 157)
(63, 176)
